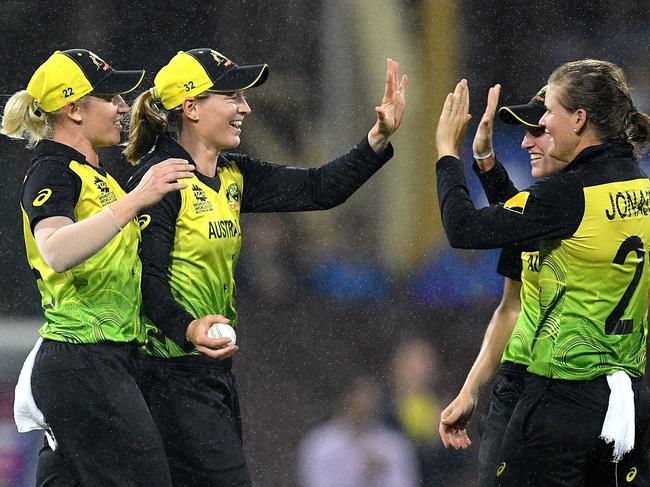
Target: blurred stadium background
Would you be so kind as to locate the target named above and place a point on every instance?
(325, 297)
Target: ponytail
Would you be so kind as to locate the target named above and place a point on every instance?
(638, 132)
(148, 121)
(24, 119)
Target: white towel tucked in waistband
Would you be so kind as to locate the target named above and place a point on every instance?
(619, 421)
(26, 413)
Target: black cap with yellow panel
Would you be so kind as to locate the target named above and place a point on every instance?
(528, 114)
(190, 73)
(69, 75)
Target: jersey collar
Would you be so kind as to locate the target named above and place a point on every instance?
(49, 147)
(597, 153)
(168, 145)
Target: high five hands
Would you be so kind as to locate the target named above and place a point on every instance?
(453, 122)
(482, 145)
(391, 110)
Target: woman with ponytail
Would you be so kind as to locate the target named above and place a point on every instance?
(583, 405)
(81, 236)
(191, 242)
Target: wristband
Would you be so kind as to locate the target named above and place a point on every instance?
(480, 158)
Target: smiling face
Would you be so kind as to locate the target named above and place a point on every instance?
(102, 119)
(561, 125)
(220, 118)
(536, 142)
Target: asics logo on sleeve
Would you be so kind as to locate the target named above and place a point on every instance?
(143, 221)
(631, 475)
(42, 196)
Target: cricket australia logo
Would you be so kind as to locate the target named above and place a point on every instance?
(106, 196)
(201, 201)
(98, 62)
(233, 196)
(220, 58)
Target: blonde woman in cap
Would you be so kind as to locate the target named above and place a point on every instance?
(82, 242)
(191, 242)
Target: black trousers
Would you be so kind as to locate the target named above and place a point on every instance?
(195, 404)
(508, 387)
(552, 438)
(106, 436)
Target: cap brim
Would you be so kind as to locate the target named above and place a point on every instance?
(119, 83)
(241, 78)
(528, 115)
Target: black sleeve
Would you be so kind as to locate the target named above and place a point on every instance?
(158, 302)
(273, 187)
(50, 189)
(551, 208)
(496, 183)
(509, 264)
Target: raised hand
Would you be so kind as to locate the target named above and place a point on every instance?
(391, 110)
(482, 145)
(453, 122)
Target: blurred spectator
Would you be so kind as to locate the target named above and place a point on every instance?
(412, 408)
(458, 277)
(354, 450)
(17, 450)
(345, 278)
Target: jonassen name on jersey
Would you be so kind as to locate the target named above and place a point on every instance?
(628, 204)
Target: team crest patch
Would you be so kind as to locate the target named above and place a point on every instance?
(106, 196)
(201, 201)
(233, 195)
(517, 203)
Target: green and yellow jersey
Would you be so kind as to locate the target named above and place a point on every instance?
(191, 239)
(519, 347)
(99, 299)
(519, 265)
(593, 223)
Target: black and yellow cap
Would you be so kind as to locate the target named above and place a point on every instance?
(190, 73)
(69, 75)
(528, 114)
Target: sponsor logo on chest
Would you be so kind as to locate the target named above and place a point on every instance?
(106, 195)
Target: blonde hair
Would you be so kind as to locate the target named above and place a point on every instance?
(148, 120)
(23, 119)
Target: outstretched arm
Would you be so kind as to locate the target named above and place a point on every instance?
(454, 419)
(551, 208)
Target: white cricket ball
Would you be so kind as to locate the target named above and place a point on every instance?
(222, 330)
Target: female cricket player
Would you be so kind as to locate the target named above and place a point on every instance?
(196, 111)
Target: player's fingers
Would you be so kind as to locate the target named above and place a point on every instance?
(216, 319)
(403, 84)
(464, 101)
(442, 431)
(220, 354)
(176, 186)
(390, 86)
(447, 106)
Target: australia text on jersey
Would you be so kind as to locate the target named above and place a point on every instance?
(223, 229)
